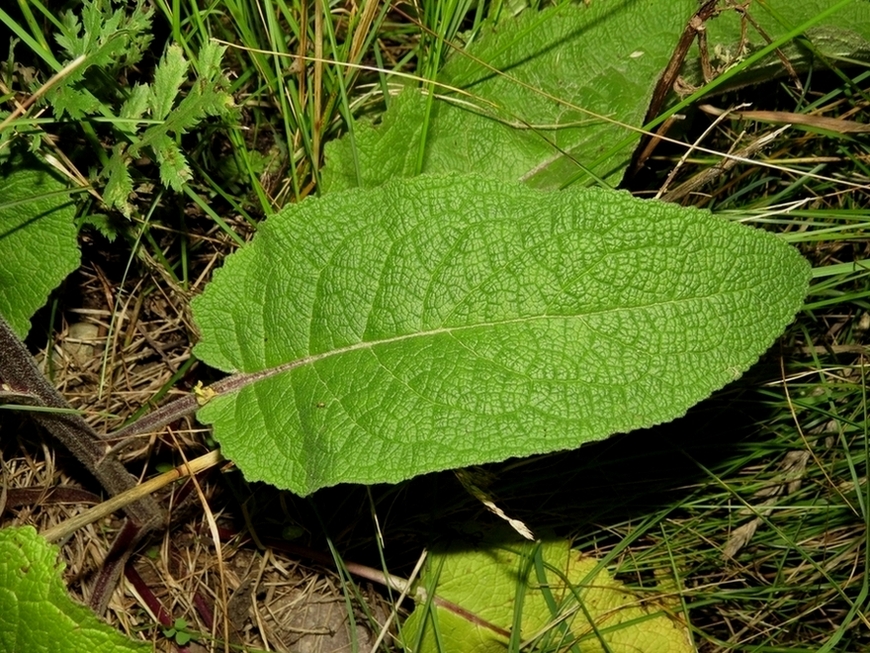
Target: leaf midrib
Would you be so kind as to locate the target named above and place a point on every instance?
(241, 380)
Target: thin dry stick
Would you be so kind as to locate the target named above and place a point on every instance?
(70, 526)
(394, 612)
(728, 162)
(258, 618)
(792, 73)
(688, 152)
(42, 90)
(695, 27)
(318, 81)
(803, 437)
(362, 29)
(837, 125)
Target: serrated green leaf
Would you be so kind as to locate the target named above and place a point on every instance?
(206, 98)
(110, 39)
(527, 123)
(136, 104)
(85, 34)
(36, 613)
(119, 185)
(35, 144)
(94, 14)
(434, 323)
(168, 77)
(76, 103)
(174, 171)
(565, 600)
(137, 27)
(209, 60)
(101, 222)
(38, 240)
(68, 35)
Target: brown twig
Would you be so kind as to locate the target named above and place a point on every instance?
(789, 68)
(134, 494)
(836, 125)
(695, 28)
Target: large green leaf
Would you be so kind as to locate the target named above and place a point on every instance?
(36, 613)
(38, 239)
(523, 83)
(439, 322)
(517, 115)
(563, 598)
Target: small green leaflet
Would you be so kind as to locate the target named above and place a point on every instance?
(36, 613)
(440, 322)
(207, 97)
(109, 39)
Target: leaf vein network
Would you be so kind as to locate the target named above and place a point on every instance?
(240, 380)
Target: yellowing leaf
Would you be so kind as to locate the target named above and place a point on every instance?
(565, 599)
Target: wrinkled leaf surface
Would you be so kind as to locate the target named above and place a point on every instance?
(434, 323)
(38, 239)
(36, 613)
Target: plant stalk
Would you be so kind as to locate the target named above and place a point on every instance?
(21, 376)
(70, 526)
